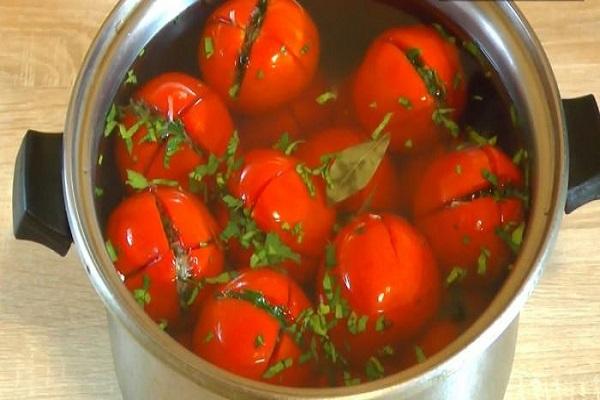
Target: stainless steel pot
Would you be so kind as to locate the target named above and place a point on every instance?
(55, 173)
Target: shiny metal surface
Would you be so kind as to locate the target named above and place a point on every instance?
(152, 365)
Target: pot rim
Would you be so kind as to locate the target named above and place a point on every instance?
(132, 23)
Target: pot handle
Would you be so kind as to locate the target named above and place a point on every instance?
(583, 125)
(39, 213)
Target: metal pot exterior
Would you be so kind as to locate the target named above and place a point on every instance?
(143, 376)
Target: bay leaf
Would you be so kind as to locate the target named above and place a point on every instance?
(354, 167)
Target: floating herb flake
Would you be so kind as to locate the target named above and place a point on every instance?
(209, 47)
(326, 97)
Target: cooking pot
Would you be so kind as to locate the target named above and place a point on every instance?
(54, 204)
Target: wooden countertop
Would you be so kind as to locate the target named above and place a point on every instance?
(53, 337)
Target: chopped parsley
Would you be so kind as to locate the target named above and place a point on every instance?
(259, 341)
(142, 295)
(330, 256)
(480, 140)
(278, 368)
(382, 324)
(458, 169)
(374, 369)
(408, 144)
(420, 355)
(382, 126)
(441, 117)
(98, 192)
(234, 91)
(490, 177)
(482, 261)
(432, 81)
(138, 181)
(286, 145)
(326, 97)
(405, 102)
(305, 49)
(512, 235)
(111, 120)
(349, 380)
(209, 47)
(112, 252)
(131, 78)
(456, 275)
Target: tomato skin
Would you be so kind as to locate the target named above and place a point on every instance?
(384, 268)
(145, 249)
(382, 192)
(386, 75)
(227, 329)
(276, 195)
(459, 230)
(298, 118)
(135, 230)
(204, 116)
(437, 337)
(282, 62)
(459, 174)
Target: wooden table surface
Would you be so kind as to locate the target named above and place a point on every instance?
(53, 337)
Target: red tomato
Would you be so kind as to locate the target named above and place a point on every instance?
(281, 62)
(460, 218)
(163, 237)
(238, 334)
(381, 194)
(437, 337)
(301, 116)
(410, 171)
(387, 82)
(386, 273)
(279, 200)
(208, 128)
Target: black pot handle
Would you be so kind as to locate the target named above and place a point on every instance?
(583, 125)
(38, 203)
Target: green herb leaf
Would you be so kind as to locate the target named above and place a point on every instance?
(458, 169)
(136, 180)
(98, 192)
(330, 256)
(286, 145)
(349, 380)
(382, 125)
(441, 117)
(209, 169)
(480, 140)
(131, 78)
(456, 275)
(234, 91)
(490, 177)
(404, 102)
(306, 174)
(305, 49)
(163, 324)
(420, 355)
(381, 324)
(111, 120)
(278, 368)
(520, 156)
(374, 369)
(443, 33)
(326, 97)
(354, 167)
(112, 252)
(142, 295)
(482, 261)
(209, 47)
(259, 341)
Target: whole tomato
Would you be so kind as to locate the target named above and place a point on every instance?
(301, 116)
(202, 125)
(242, 328)
(412, 76)
(382, 192)
(280, 201)
(388, 282)
(164, 241)
(463, 203)
(259, 55)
